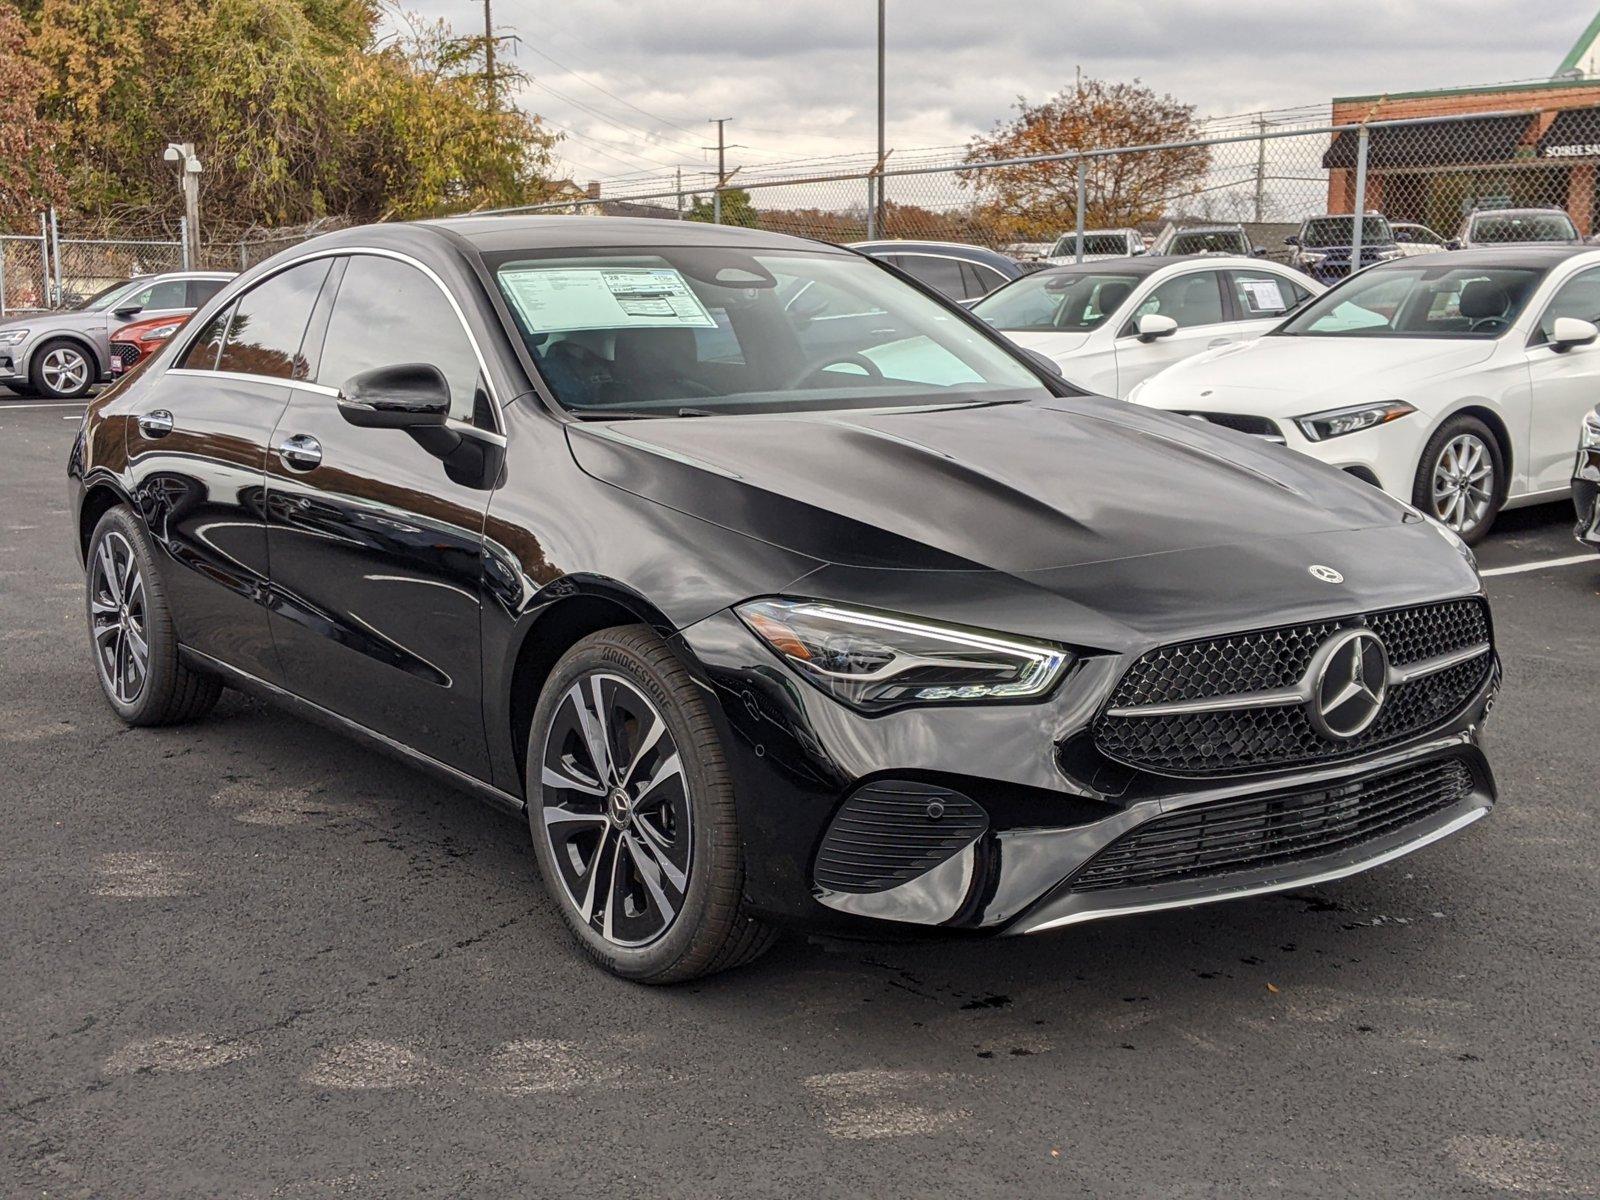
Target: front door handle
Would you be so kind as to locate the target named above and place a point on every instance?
(302, 452)
(1215, 342)
(156, 424)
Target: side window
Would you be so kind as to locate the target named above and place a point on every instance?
(388, 313)
(169, 293)
(1190, 300)
(202, 352)
(982, 279)
(1578, 297)
(201, 290)
(269, 323)
(941, 274)
(1261, 294)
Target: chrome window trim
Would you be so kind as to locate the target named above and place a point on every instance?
(350, 252)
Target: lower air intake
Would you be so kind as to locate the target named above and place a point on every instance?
(1247, 835)
(890, 832)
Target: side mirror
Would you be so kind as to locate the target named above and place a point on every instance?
(1153, 325)
(1452, 244)
(1292, 240)
(127, 311)
(1569, 332)
(1258, 251)
(408, 396)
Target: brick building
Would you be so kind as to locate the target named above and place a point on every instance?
(1519, 145)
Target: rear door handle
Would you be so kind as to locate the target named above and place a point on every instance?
(156, 424)
(302, 452)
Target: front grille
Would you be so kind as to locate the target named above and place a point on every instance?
(1232, 740)
(1248, 835)
(125, 353)
(1243, 423)
(889, 832)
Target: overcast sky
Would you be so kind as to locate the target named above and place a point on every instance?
(634, 81)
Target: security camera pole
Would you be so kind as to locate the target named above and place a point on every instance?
(182, 155)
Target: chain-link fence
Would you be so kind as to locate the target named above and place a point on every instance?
(1432, 169)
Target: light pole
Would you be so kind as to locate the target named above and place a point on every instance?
(182, 154)
(877, 194)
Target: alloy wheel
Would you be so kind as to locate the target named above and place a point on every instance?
(1463, 482)
(117, 619)
(65, 370)
(616, 809)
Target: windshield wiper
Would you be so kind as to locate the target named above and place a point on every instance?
(627, 414)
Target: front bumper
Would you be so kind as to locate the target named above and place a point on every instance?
(1586, 497)
(801, 762)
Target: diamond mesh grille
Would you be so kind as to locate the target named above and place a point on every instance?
(1261, 738)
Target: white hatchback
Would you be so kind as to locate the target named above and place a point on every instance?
(1110, 325)
(1455, 381)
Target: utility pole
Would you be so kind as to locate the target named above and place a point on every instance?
(182, 155)
(722, 167)
(877, 191)
(488, 52)
(1261, 167)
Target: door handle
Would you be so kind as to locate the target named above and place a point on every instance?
(156, 423)
(302, 452)
(1215, 342)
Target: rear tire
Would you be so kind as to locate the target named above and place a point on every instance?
(131, 635)
(631, 808)
(1461, 478)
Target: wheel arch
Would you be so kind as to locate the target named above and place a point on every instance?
(587, 606)
(99, 497)
(1496, 423)
(101, 366)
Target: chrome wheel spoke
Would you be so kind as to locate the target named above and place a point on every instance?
(108, 572)
(616, 813)
(117, 619)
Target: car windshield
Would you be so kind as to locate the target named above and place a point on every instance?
(1210, 241)
(1419, 302)
(1339, 231)
(1523, 227)
(107, 297)
(696, 331)
(1093, 243)
(1052, 301)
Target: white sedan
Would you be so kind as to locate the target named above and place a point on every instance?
(1454, 381)
(1110, 325)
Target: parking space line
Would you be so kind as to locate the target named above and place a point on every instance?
(5, 408)
(1542, 566)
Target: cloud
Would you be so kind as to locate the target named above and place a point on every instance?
(799, 76)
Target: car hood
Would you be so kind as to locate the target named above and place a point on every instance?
(57, 320)
(1056, 345)
(1017, 488)
(1291, 376)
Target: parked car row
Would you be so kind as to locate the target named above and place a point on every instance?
(61, 355)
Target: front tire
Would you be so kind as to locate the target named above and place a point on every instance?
(1461, 478)
(62, 370)
(131, 634)
(630, 804)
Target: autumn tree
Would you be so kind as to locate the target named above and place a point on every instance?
(296, 108)
(29, 179)
(1037, 201)
(736, 209)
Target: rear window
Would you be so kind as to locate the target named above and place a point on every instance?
(1527, 227)
(1340, 231)
(1093, 243)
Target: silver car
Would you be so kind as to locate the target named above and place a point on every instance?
(63, 354)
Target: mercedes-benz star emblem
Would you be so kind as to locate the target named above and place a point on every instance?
(1326, 574)
(1350, 676)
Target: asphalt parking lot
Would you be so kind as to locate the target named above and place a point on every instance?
(250, 958)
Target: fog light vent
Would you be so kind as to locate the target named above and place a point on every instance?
(892, 831)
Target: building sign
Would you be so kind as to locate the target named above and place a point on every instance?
(1579, 150)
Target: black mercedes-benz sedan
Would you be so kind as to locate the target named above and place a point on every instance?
(1586, 481)
(775, 589)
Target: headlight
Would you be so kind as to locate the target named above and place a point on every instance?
(1312, 257)
(1386, 255)
(13, 337)
(1589, 432)
(875, 660)
(160, 333)
(1337, 422)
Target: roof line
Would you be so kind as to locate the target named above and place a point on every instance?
(1585, 40)
(1534, 86)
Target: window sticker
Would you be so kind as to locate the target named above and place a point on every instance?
(1263, 295)
(568, 298)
